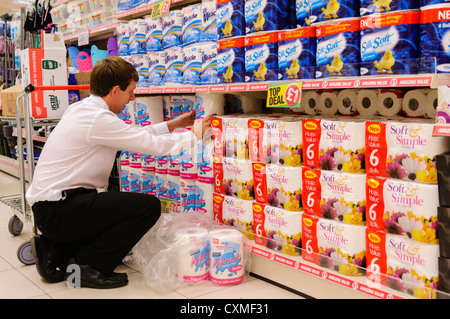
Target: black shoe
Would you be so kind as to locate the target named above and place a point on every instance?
(48, 260)
(92, 278)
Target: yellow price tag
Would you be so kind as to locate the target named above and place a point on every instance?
(160, 8)
(284, 95)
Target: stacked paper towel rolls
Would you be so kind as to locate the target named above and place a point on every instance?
(346, 101)
(390, 102)
(227, 263)
(366, 102)
(328, 103)
(193, 255)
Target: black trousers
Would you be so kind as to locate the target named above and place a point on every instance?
(97, 229)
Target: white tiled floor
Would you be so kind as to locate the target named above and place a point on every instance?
(19, 281)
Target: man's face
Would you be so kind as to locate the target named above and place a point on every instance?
(121, 98)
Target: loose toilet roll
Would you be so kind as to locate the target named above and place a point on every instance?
(431, 104)
(148, 110)
(414, 102)
(346, 101)
(192, 257)
(227, 260)
(310, 102)
(390, 102)
(328, 103)
(366, 102)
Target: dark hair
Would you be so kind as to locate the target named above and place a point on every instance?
(110, 72)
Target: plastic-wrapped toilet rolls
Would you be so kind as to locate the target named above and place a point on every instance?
(310, 102)
(414, 101)
(390, 102)
(148, 110)
(431, 104)
(366, 102)
(328, 103)
(346, 101)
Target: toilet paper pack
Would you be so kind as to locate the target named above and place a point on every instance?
(334, 245)
(402, 264)
(278, 229)
(192, 24)
(172, 25)
(234, 212)
(390, 43)
(230, 136)
(334, 195)
(302, 13)
(141, 64)
(297, 54)
(138, 37)
(153, 33)
(209, 27)
(269, 15)
(403, 208)
(173, 188)
(148, 163)
(230, 18)
(208, 74)
(233, 177)
(192, 64)
(261, 57)
(174, 65)
(156, 68)
(230, 60)
(336, 145)
(123, 39)
(338, 48)
(403, 150)
(368, 7)
(324, 10)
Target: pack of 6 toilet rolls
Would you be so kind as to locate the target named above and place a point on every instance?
(277, 228)
(334, 245)
(403, 149)
(408, 209)
(234, 177)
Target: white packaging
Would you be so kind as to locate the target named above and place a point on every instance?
(149, 110)
(205, 199)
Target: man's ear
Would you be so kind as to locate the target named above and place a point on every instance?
(114, 90)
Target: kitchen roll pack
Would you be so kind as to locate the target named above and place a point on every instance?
(279, 229)
(148, 110)
(403, 208)
(402, 264)
(336, 145)
(403, 150)
(334, 195)
(334, 245)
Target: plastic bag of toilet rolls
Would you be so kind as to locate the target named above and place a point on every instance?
(188, 248)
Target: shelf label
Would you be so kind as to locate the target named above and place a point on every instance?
(284, 95)
(83, 38)
(160, 8)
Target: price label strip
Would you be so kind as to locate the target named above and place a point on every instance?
(160, 8)
(284, 95)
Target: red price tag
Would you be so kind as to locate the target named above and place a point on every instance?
(293, 94)
(165, 7)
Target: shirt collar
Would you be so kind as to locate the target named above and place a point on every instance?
(97, 100)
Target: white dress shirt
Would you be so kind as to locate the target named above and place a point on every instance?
(81, 150)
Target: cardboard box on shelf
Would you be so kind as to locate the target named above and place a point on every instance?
(46, 66)
(9, 97)
(83, 78)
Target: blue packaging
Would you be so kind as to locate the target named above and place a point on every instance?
(338, 48)
(209, 29)
(141, 62)
(123, 39)
(188, 102)
(424, 3)
(230, 60)
(172, 25)
(302, 13)
(192, 24)
(209, 63)
(156, 67)
(325, 10)
(124, 5)
(435, 39)
(137, 3)
(261, 57)
(266, 15)
(192, 65)
(138, 37)
(230, 18)
(176, 106)
(153, 32)
(390, 43)
(174, 65)
(376, 6)
(297, 54)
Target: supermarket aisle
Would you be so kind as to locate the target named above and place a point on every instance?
(18, 281)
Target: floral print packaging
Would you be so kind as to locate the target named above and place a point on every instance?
(403, 150)
(334, 144)
(284, 187)
(234, 177)
(403, 208)
(234, 212)
(230, 136)
(402, 264)
(334, 195)
(278, 229)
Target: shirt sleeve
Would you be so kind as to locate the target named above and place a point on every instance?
(107, 129)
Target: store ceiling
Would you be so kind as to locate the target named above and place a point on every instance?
(10, 7)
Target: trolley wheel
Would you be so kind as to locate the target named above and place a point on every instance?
(15, 225)
(25, 253)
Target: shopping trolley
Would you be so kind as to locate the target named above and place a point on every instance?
(21, 210)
